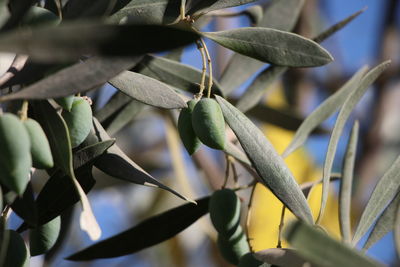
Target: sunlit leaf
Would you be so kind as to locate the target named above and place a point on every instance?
(344, 113)
(317, 247)
(147, 90)
(273, 46)
(269, 165)
(346, 185)
(384, 192)
(324, 111)
(147, 233)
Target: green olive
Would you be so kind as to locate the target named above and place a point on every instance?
(225, 211)
(43, 238)
(79, 121)
(65, 102)
(40, 148)
(185, 128)
(15, 156)
(17, 254)
(209, 124)
(233, 247)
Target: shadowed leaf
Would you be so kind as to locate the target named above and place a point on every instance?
(283, 257)
(147, 233)
(199, 7)
(25, 207)
(269, 165)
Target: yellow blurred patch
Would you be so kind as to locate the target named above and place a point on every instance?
(266, 208)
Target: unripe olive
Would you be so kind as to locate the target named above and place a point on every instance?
(234, 247)
(40, 148)
(225, 211)
(248, 260)
(185, 128)
(209, 124)
(43, 238)
(17, 254)
(65, 102)
(79, 121)
(15, 156)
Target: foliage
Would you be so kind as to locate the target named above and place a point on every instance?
(67, 50)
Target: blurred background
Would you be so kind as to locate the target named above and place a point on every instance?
(372, 37)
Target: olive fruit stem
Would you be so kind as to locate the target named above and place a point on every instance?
(182, 9)
(203, 70)
(210, 70)
(248, 217)
(23, 113)
(227, 171)
(281, 224)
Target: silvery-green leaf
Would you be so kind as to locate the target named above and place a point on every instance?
(318, 248)
(174, 73)
(147, 90)
(281, 15)
(127, 114)
(347, 184)
(116, 103)
(384, 224)
(385, 190)
(269, 165)
(344, 113)
(273, 46)
(283, 257)
(324, 111)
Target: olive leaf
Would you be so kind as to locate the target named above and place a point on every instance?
(60, 144)
(24, 206)
(324, 111)
(283, 257)
(269, 165)
(255, 91)
(63, 44)
(118, 165)
(318, 248)
(114, 104)
(344, 113)
(150, 232)
(174, 73)
(272, 46)
(198, 8)
(148, 11)
(147, 90)
(346, 185)
(384, 224)
(385, 190)
(87, 75)
(279, 14)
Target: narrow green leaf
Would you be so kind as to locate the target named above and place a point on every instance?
(273, 46)
(324, 111)
(147, 90)
(126, 115)
(89, 154)
(384, 192)
(43, 238)
(384, 224)
(63, 44)
(269, 165)
(347, 184)
(118, 101)
(236, 153)
(198, 8)
(147, 233)
(317, 247)
(174, 73)
(344, 113)
(148, 11)
(281, 15)
(118, 165)
(87, 75)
